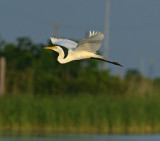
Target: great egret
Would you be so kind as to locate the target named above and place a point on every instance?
(82, 50)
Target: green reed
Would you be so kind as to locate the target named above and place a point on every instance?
(80, 114)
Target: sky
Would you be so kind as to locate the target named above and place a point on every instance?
(134, 27)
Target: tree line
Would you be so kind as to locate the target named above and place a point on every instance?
(31, 69)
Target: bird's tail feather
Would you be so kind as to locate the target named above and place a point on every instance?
(102, 59)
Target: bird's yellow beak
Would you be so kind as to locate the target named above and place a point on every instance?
(49, 47)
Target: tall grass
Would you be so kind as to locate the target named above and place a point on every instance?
(80, 114)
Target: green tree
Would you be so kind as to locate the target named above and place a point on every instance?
(133, 74)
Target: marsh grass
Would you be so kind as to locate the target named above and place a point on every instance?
(80, 114)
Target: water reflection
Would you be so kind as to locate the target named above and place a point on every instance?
(86, 138)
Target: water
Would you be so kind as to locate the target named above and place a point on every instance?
(86, 138)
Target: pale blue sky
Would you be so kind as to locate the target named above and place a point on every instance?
(134, 26)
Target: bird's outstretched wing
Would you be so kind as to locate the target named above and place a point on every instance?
(92, 44)
(64, 42)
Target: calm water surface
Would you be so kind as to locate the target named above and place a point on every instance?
(86, 138)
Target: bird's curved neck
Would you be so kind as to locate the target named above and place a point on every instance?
(61, 55)
(61, 58)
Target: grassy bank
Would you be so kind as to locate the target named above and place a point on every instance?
(80, 114)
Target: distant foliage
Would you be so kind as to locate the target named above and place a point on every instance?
(31, 69)
(133, 74)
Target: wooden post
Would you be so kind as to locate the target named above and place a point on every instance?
(2, 75)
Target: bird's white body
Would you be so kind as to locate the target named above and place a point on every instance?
(74, 55)
(83, 50)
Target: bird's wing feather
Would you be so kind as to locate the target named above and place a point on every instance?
(92, 44)
(64, 42)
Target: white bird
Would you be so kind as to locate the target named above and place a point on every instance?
(84, 49)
